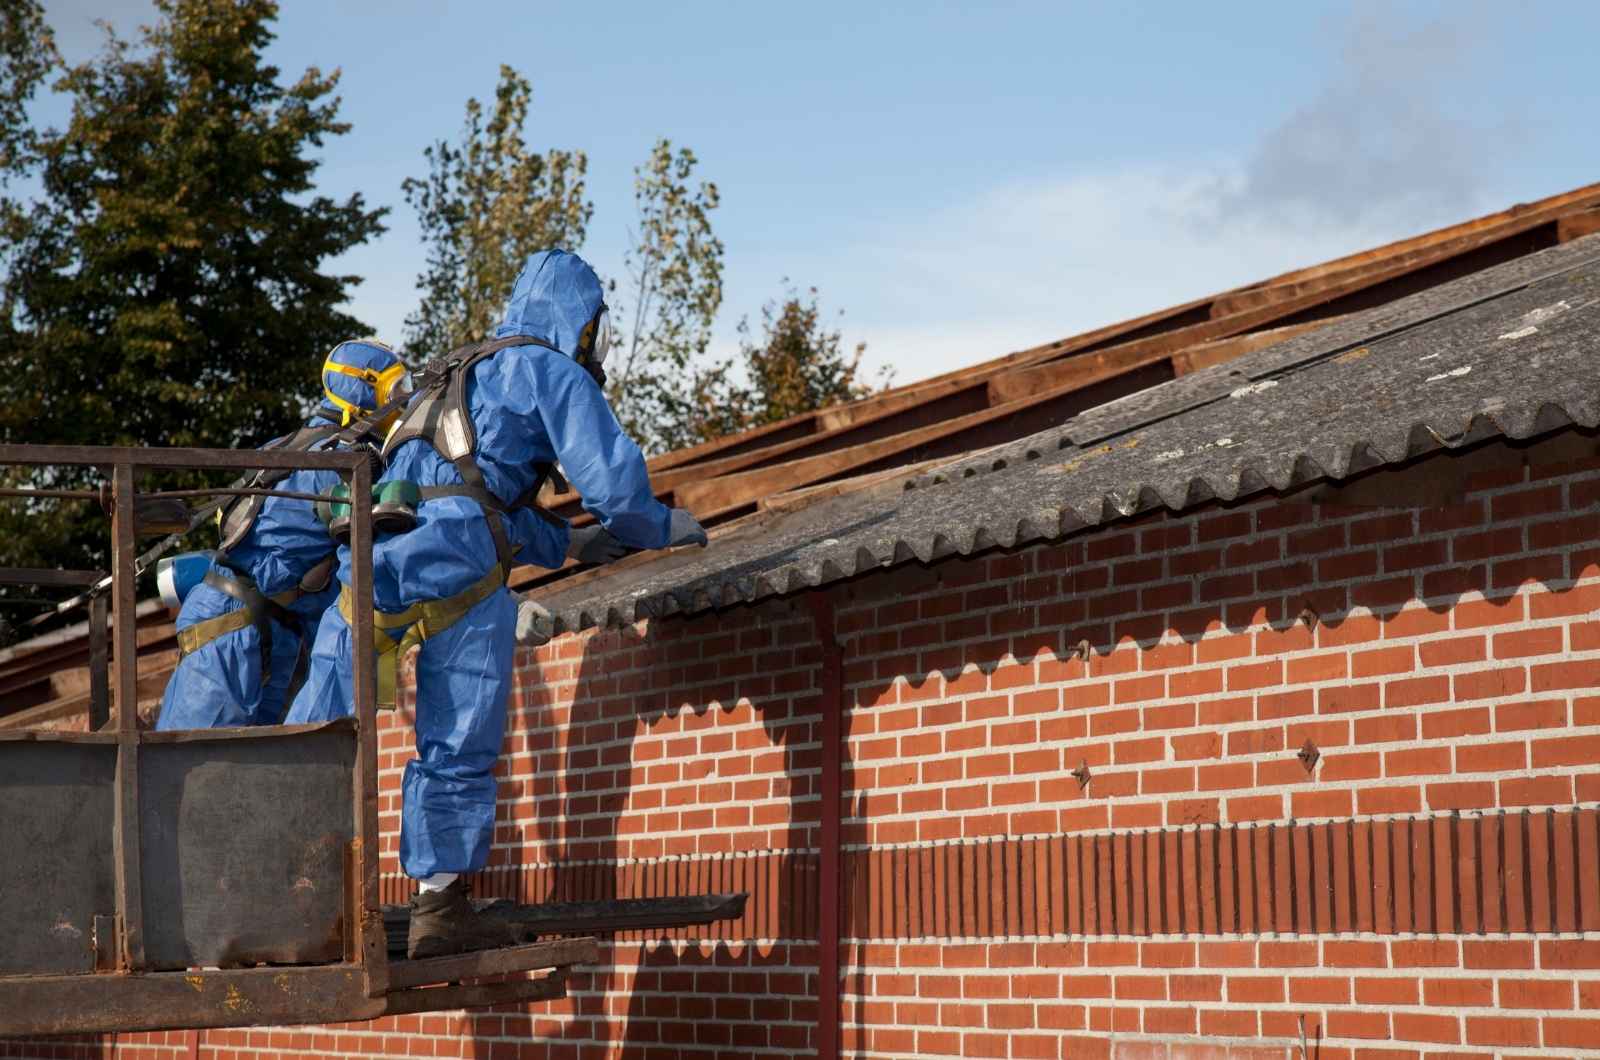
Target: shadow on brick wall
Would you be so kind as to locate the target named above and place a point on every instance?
(741, 687)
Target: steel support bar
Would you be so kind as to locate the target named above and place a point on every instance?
(830, 684)
(99, 666)
(372, 944)
(48, 576)
(179, 459)
(130, 901)
(556, 953)
(82, 1004)
(477, 995)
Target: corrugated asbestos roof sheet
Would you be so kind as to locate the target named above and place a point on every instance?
(1011, 397)
(1508, 351)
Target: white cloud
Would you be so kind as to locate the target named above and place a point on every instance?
(1400, 129)
(1393, 144)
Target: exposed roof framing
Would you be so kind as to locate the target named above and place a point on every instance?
(1505, 353)
(1019, 394)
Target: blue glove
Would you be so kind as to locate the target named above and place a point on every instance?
(595, 544)
(685, 529)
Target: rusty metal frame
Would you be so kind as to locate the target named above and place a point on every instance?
(126, 992)
(131, 996)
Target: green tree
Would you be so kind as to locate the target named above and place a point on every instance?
(485, 205)
(170, 288)
(27, 55)
(793, 364)
(796, 364)
(659, 376)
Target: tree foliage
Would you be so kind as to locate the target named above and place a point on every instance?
(793, 364)
(170, 286)
(658, 376)
(485, 205)
(27, 55)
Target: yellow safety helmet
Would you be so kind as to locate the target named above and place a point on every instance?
(362, 376)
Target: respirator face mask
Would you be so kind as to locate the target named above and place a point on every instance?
(595, 345)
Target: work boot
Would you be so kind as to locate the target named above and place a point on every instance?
(444, 922)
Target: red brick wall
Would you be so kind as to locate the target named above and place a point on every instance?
(1436, 894)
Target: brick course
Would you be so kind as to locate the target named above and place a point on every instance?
(1427, 888)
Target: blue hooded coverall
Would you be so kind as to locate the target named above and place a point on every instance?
(221, 684)
(529, 405)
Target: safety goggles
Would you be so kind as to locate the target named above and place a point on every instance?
(595, 343)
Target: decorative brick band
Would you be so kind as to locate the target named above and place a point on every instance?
(1448, 874)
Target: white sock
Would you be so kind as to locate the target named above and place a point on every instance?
(437, 882)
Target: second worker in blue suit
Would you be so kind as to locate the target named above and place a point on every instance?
(242, 634)
(486, 427)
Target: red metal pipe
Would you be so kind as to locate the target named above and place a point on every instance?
(830, 683)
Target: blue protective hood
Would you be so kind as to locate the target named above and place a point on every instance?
(554, 298)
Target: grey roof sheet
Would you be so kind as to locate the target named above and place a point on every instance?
(1508, 351)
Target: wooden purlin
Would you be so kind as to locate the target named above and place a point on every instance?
(732, 493)
(732, 486)
(1219, 351)
(38, 678)
(1297, 283)
(1045, 372)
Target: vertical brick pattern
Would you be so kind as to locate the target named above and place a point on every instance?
(1074, 818)
(1461, 874)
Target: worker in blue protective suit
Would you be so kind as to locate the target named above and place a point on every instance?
(243, 633)
(486, 425)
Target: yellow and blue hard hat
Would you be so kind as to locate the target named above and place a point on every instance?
(362, 376)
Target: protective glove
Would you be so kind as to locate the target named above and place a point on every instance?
(535, 625)
(595, 544)
(685, 529)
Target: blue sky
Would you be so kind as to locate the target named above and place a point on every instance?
(965, 180)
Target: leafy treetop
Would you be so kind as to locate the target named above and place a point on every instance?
(170, 287)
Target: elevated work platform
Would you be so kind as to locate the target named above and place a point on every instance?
(228, 878)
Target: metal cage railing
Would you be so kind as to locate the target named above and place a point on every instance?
(208, 878)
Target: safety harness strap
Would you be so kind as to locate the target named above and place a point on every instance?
(257, 610)
(314, 580)
(236, 518)
(490, 503)
(197, 636)
(472, 475)
(438, 413)
(441, 387)
(420, 621)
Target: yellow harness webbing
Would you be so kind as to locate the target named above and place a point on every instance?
(197, 636)
(424, 619)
